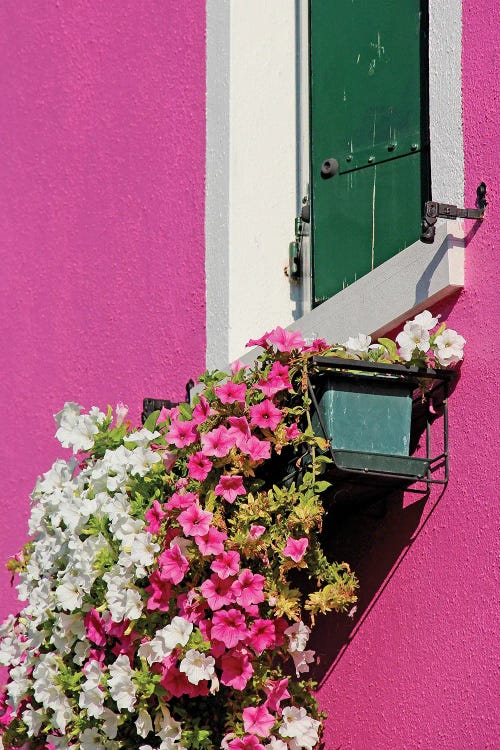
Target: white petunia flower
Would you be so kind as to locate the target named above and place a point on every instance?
(69, 594)
(120, 684)
(63, 714)
(196, 666)
(58, 475)
(18, 686)
(90, 740)
(177, 633)
(413, 336)
(300, 727)
(142, 548)
(142, 460)
(275, 744)
(91, 696)
(449, 347)
(426, 320)
(167, 728)
(124, 601)
(109, 722)
(359, 344)
(77, 431)
(143, 723)
(301, 660)
(142, 437)
(33, 718)
(298, 635)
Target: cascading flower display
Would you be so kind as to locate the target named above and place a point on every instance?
(174, 571)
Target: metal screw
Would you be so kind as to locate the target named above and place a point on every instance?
(371, 159)
(391, 146)
(414, 146)
(348, 157)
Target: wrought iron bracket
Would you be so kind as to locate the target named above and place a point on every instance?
(149, 405)
(435, 211)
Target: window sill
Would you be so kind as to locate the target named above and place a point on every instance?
(413, 280)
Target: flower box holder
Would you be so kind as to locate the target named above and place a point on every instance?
(373, 413)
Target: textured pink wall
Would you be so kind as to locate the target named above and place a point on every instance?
(419, 671)
(101, 219)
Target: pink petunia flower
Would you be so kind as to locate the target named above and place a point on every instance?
(229, 626)
(257, 450)
(95, 627)
(236, 668)
(231, 392)
(292, 432)
(177, 684)
(174, 565)
(285, 341)
(181, 500)
(276, 381)
(295, 548)
(202, 411)
(236, 366)
(248, 742)
(259, 342)
(191, 606)
(160, 590)
(317, 345)
(199, 466)
(276, 691)
(262, 635)
(239, 430)
(226, 564)
(265, 415)
(249, 588)
(230, 487)
(217, 592)
(127, 644)
(256, 531)
(258, 720)
(212, 543)
(217, 442)
(181, 434)
(195, 521)
(154, 516)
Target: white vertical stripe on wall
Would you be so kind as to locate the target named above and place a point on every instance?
(262, 166)
(445, 100)
(217, 197)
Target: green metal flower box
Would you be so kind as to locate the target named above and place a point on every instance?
(366, 411)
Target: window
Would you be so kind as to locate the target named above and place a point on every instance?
(369, 112)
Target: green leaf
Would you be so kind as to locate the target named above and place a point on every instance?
(322, 486)
(150, 423)
(185, 412)
(391, 347)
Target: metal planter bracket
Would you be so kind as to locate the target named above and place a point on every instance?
(373, 415)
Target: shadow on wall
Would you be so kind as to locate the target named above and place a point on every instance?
(373, 538)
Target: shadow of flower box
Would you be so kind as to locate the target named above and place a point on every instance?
(373, 413)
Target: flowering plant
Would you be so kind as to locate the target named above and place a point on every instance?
(421, 343)
(172, 577)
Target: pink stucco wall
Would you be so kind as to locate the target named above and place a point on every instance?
(101, 219)
(419, 670)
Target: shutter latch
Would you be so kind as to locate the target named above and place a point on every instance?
(293, 270)
(435, 211)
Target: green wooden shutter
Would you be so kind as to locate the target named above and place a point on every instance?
(369, 111)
